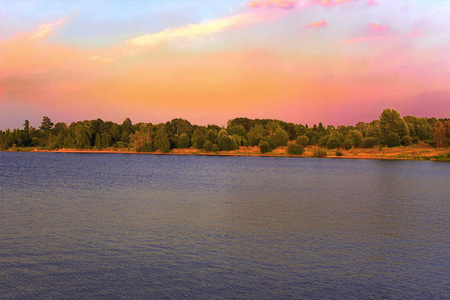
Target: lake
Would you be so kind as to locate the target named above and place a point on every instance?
(126, 226)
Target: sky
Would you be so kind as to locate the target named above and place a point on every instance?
(303, 61)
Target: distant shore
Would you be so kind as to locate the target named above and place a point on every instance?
(414, 152)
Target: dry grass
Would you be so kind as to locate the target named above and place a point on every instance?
(419, 151)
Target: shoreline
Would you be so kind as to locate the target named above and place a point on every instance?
(414, 152)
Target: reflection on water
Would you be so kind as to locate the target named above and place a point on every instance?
(140, 226)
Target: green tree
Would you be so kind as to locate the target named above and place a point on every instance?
(46, 124)
(295, 149)
(392, 126)
(225, 142)
(162, 142)
(207, 146)
(106, 140)
(313, 137)
(69, 141)
(303, 140)
(369, 142)
(127, 126)
(82, 140)
(198, 139)
(392, 140)
(98, 142)
(347, 144)
(280, 137)
(333, 143)
(355, 136)
(183, 141)
(211, 136)
(255, 134)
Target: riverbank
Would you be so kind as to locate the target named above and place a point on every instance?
(413, 152)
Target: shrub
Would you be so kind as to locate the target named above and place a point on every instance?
(406, 140)
(214, 148)
(339, 153)
(120, 145)
(368, 142)
(347, 144)
(302, 140)
(295, 149)
(392, 140)
(319, 152)
(264, 147)
(207, 146)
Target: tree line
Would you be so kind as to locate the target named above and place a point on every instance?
(389, 130)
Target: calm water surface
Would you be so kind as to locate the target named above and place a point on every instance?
(127, 226)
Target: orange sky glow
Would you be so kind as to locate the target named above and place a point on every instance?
(257, 59)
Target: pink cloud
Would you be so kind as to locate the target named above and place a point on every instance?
(321, 23)
(45, 29)
(330, 2)
(273, 3)
(377, 29)
(416, 33)
(364, 39)
(371, 2)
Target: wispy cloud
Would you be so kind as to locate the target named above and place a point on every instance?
(330, 2)
(376, 29)
(45, 29)
(209, 27)
(321, 23)
(101, 59)
(363, 39)
(273, 3)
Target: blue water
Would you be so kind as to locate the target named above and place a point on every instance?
(122, 226)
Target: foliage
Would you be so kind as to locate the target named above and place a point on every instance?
(141, 140)
(295, 149)
(162, 142)
(333, 143)
(207, 146)
(369, 142)
(46, 124)
(302, 140)
(198, 139)
(255, 135)
(355, 136)
(225, 142)
(183, 141)
(264, 147)
(339, 153)
(406, 140)
(439, 133)
(390, 129)
(392, 140)
(347, 144)
(319, 152)
(280, 137)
